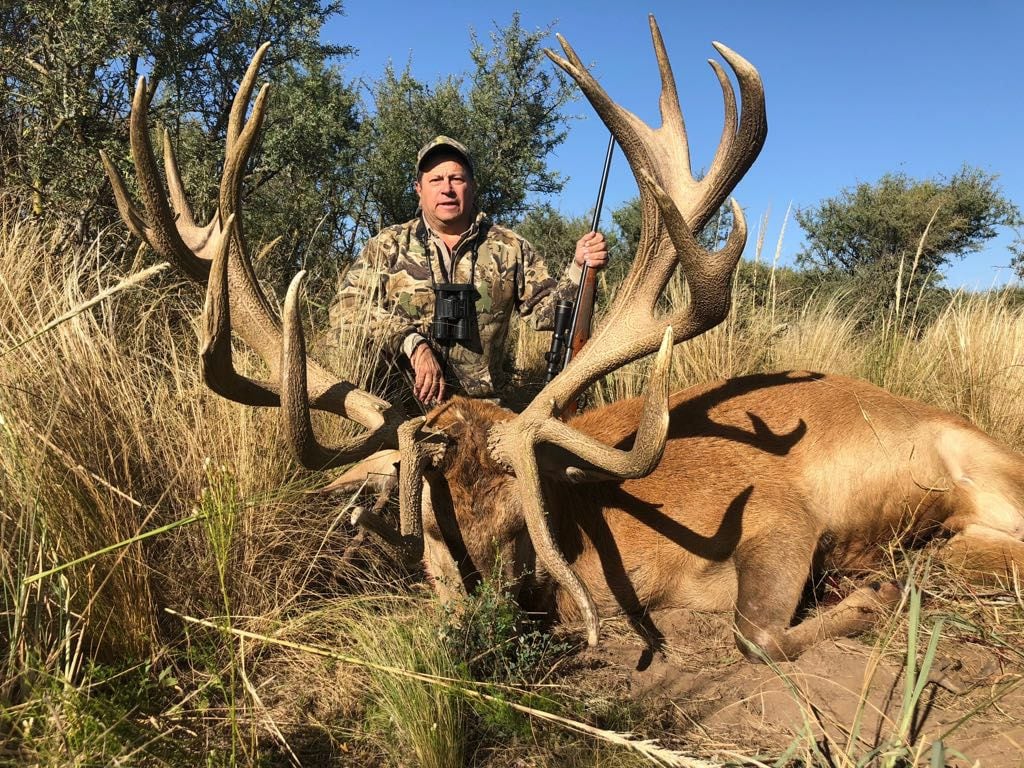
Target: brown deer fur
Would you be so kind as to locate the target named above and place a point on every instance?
(763, 477)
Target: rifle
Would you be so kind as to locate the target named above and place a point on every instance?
(572, 321)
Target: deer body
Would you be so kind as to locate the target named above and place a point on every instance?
(763, 479)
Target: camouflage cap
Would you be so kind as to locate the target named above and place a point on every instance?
(443, 142)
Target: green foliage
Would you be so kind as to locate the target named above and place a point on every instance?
(69, 71)
(867, 231)
(515, 100)
(758, 285)
(62, 93)
(553, 235)
(1016, 249)
(492, 640)
(495, 641)
(416, 721)
(508, 112)
(100, 716)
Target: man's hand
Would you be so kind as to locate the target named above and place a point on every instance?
(429, 386)
(593, 250)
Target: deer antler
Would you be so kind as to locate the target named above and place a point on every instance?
(674, 205)
(216, 254)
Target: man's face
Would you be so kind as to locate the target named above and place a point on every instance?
(447, 193)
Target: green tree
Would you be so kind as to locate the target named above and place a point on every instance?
(507, 110)
(516, 119)
(66, 73)
(1017, 254)
(69, 70)
(868, 229)
(553, 235)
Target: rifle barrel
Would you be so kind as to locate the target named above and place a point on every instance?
(604, 184)
(580, 294)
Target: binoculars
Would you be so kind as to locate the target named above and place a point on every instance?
(455, 314)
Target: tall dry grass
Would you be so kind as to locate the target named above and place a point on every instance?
(108, 435)
(110, 431)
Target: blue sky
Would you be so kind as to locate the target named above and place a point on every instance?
(853, 89)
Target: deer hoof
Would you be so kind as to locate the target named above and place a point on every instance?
(874, 598)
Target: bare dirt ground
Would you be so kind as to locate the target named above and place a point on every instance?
(840, 695)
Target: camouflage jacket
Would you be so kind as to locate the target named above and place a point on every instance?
(396, 273)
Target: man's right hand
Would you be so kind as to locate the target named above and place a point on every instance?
(429, 385)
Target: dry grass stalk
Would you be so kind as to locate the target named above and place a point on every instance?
(106, 421)
(646, 747)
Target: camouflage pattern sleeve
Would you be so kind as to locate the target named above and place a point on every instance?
(364, 301)
(539, 292)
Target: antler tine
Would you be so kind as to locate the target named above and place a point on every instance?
(234, 299)
(179, 200)
(624, 125)
(651, 434)
(241, 139)
(518, 450)
(295, 420)
(241, 134)
(194, 236)
(708, 273)
(674, 205)
(240, 104)
(742, 143)
(215, 351)
(129, 213)
(160, 232)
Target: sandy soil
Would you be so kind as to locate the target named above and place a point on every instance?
(706, 694)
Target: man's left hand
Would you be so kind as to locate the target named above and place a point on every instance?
(592, 249)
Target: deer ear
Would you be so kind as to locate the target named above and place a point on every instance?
(377, 472)
(580, 476)
(559, 465)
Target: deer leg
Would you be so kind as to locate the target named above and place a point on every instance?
(771, 577)
(985, 554)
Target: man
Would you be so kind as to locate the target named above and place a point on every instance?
(450, 242)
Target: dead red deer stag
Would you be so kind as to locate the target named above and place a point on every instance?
(720, 497)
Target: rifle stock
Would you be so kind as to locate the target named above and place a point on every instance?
(585, 311)
(579, 333)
